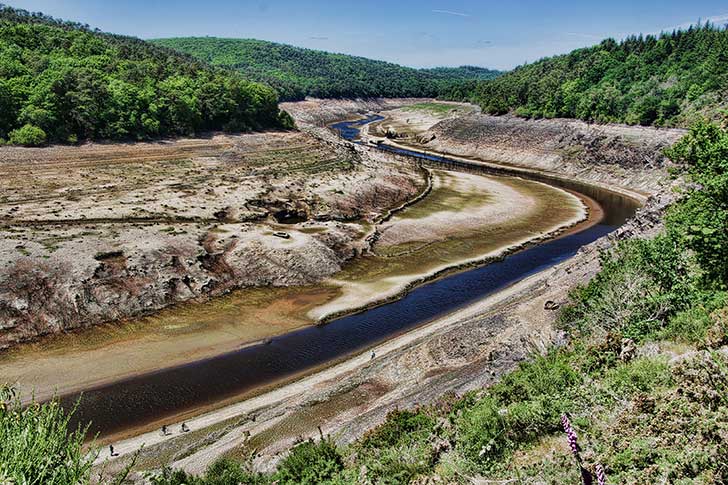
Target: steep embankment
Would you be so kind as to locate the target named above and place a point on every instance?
(619, 156)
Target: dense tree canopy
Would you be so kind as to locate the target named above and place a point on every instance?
(296, 72)
(666, 80)
(61, 81)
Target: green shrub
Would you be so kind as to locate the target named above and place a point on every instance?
(37, 445)
(221, 472)
(398, 465)
(29, 135)
(310, 463)
(640, 375)
(398, 428)
(641, 284)
(168, 476)
(692, 324)
(700, 221)
(481, 432)
(549, 375)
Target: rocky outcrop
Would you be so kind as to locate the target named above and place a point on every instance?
(180, 231)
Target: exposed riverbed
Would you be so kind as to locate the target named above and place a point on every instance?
(220, 328)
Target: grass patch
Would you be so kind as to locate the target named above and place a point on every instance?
(434, 108)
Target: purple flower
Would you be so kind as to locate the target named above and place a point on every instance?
(571, 434)
(601, 476)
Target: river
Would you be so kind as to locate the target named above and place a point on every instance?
(154, 397)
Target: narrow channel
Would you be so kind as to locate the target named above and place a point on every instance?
(138, 401)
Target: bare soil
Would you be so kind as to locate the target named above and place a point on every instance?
(98, 233)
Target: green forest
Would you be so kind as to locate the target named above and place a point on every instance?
(672, 79)
(296, 72)
(63, 82)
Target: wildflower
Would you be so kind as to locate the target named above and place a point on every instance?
(601, 476)
(571, 434)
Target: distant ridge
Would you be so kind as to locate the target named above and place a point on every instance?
(298, 72)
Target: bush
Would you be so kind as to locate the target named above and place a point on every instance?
(700, 221)
(550, 375)
(398, 428)
(481, 431)
(642, 283)
(398, 465)
(29, 136)
(221, 472)
(310, 463)
(641, 375)
(37, 446)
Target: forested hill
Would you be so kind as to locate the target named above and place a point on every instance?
(665, 80)
(297, 72)
(61, 81)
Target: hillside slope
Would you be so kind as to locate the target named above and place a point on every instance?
(666, 80)
(296, 72)
(61, 81)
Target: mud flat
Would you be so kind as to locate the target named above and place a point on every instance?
(101, 233)
(188, 332)
(467, 218)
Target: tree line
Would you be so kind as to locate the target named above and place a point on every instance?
(297, 72)
(671, 79)
(63, 82)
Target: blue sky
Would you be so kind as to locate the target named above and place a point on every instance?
(499, 34)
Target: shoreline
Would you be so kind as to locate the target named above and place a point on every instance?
(245, 406)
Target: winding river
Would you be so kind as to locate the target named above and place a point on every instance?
(154, 397)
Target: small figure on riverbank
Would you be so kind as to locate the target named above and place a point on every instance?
(111, 450)
(373, 355)
(164, 430)
(184, 428)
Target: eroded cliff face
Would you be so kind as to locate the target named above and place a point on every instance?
(625, 156)
(101, 232)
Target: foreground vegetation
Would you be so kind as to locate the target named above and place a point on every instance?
(666, 80)
(63, 82)
(37, 446)
(642, 387)
(296, 72)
